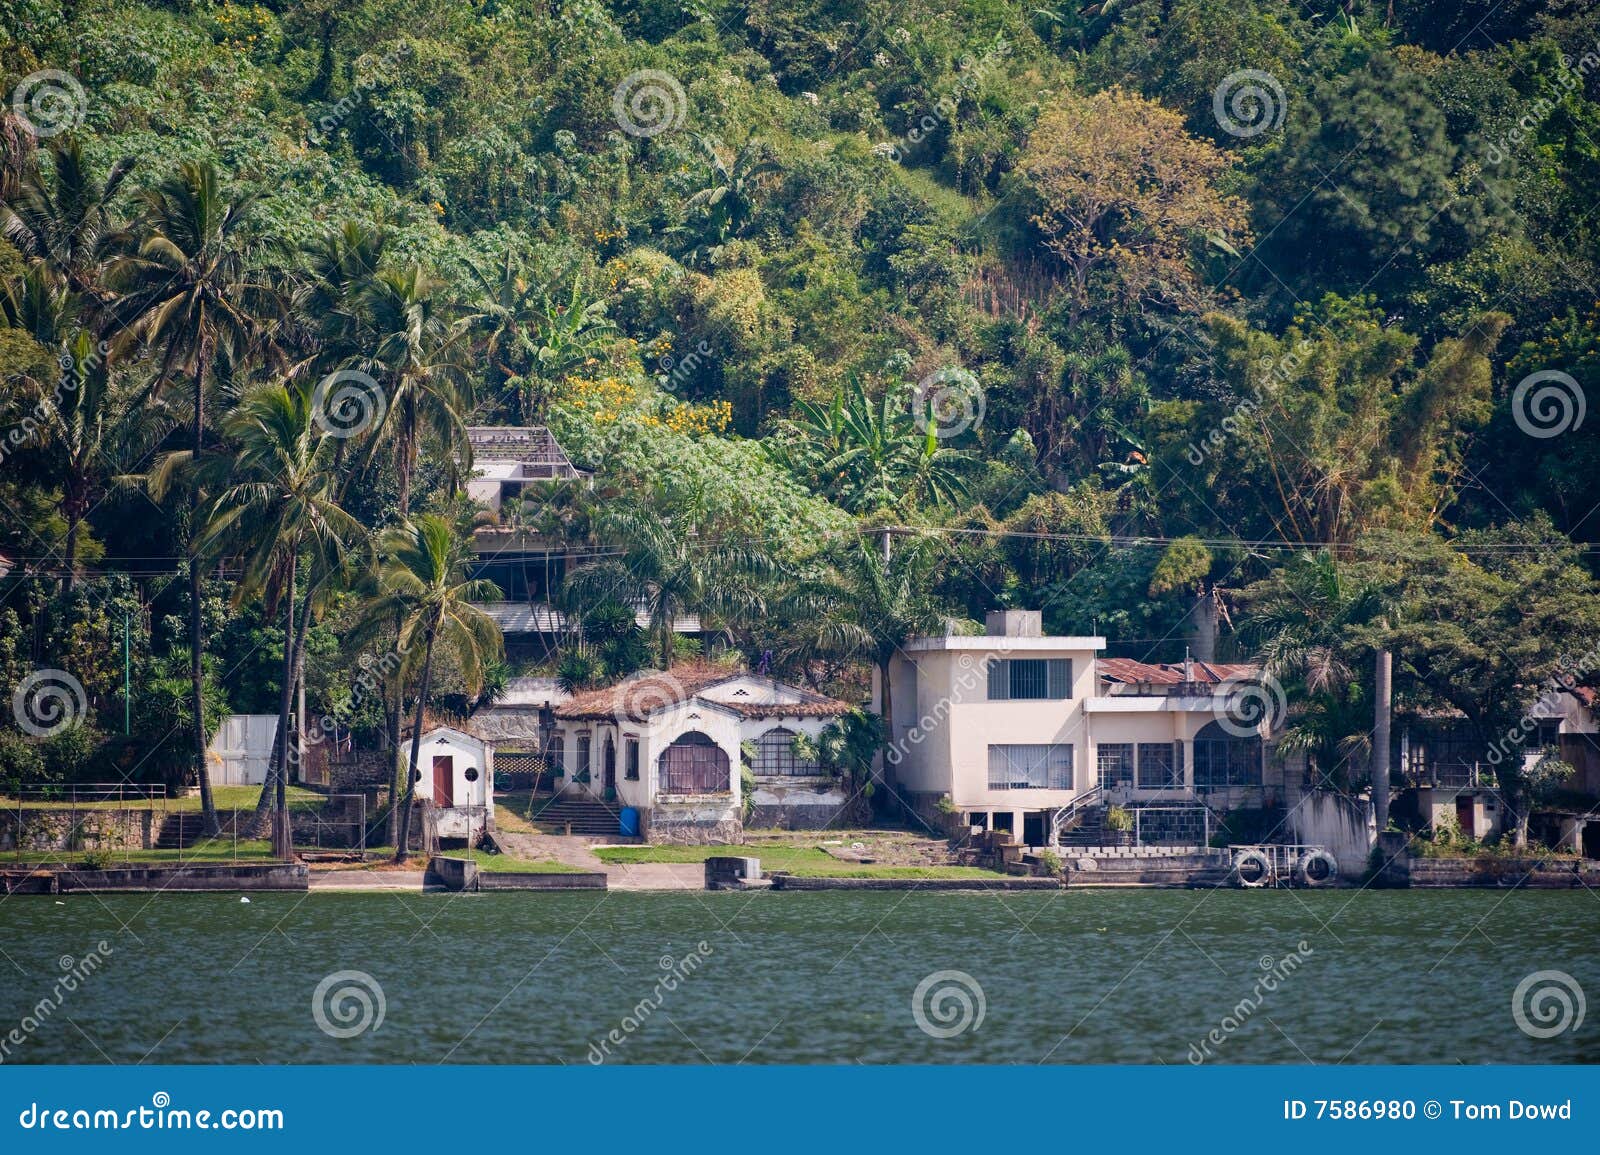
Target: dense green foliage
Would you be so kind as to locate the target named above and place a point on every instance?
(1120, 310)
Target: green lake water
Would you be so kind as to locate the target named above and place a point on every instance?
(1069, 977)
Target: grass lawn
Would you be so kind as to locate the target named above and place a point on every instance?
(806, 861)
(501, 864)
(211, 853)
(227, 798)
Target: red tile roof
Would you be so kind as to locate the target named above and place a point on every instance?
(1128, 671)
(638, 697)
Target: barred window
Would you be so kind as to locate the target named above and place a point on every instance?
(631, 766)
(1223, 759)
(1115, 764)
(1029, 679)
(1030, 767)
(585, 759)
(1160, 765)
(775, 755)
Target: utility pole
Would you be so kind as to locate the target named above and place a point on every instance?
(127, 676)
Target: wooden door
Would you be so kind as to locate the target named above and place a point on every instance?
(444, 778)
(610, 779)
(1464, 810)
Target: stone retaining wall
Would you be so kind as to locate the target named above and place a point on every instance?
(66, 829)
(791, 882)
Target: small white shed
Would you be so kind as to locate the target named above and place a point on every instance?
(456, 769)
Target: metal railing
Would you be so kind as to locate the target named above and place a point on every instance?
(1063, 818)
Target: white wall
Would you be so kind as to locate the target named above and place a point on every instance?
(465, 753)
(240, 752)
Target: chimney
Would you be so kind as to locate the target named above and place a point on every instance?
(1188, 666)
(1014, 623)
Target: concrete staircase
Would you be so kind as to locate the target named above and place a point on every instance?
(1089, 829)
(583, 814)
(180, 831)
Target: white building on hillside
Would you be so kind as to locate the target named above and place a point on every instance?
(1020, 731)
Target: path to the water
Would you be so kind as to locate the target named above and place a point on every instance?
(575, 852)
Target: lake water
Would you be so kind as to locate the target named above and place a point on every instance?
(1068, 977)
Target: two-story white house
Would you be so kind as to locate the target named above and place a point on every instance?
(1019, 730)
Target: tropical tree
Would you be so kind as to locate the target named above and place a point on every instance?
(186, 291)
(61, 216)
(423, 584)
(870, 456)
(866, 606)
(726, 200)
(665, 570)
(418, 346)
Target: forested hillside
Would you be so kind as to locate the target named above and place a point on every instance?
(1264, 321)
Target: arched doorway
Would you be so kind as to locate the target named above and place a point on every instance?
(609, 762)
(693, 764)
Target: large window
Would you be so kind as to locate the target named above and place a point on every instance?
(556, 756)
(1115, 764)
(1222, 759)
(631, 766)
(1160, 765)
(1030, 767)
(775, 755)
(1020, 679)
(694, 764)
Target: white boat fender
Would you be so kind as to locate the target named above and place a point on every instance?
(1263, 874)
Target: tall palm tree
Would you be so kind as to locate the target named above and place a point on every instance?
(668, 572)
(418, 346)
(61, 217)
(867, 607)
(186, 291)
(423, 583)
(280, 500)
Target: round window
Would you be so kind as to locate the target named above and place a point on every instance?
(470, 774)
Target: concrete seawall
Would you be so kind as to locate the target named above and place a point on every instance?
(167, 879)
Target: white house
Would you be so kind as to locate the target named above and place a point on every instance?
(457, 777)
(1020, 730)
(670, 744)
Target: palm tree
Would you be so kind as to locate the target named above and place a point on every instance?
(423, 584)
(667, 572)
(185, 290)
(868, 456)
(280, 500)
(417, 350)
(62, 218)
(89, 417)
(867, 607)
(727, 199)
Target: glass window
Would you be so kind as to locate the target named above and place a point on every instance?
(1030, 767)
(1160, 765)
(775, 755)
(1115, 764)
(585, 759)
(557, 755)
(1029, 679)
(631, 768)
(1223, 759)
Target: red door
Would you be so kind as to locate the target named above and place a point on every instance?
(444, 776)
(1464, 815)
